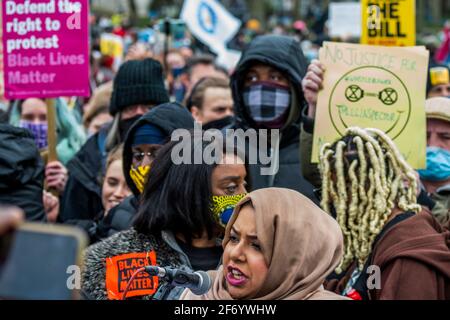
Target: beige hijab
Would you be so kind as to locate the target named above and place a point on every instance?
(301, 245)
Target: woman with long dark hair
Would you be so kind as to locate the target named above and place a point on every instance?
(180, 224)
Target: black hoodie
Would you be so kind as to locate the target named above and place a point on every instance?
(283, 53)
(21, 172)
(167, 117)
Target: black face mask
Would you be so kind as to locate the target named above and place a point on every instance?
(219, 124)
(125, 125)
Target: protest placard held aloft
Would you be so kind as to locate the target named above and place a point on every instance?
(373, 87)
(46, 45)
(388, 22)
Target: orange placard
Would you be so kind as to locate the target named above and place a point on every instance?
(119, 270)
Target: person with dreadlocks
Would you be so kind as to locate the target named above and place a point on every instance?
(393, 249)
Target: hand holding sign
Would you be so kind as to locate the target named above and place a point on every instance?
(371, 87)
(56, 176)
(311, 84)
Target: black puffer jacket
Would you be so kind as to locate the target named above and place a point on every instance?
(21, 172)
(167, 117)
(285, 54)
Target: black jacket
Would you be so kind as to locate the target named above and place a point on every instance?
(285, 54)
(21, 172)
(167, 117)
(82, 195)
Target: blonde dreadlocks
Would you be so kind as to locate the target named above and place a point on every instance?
(364, 177)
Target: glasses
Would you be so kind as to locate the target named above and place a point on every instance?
(139, 156)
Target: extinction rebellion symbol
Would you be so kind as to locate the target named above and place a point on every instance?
(366, 95)
(207, 18)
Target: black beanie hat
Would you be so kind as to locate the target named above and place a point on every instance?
(138, 82)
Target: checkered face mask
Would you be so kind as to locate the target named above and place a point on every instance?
(268, 103)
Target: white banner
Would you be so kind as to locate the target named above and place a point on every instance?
(228, 58)
(210, 22)
(345, 19)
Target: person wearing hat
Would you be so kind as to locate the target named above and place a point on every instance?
(436, 177)
(438, 82)
(141, 145)
(138, 86)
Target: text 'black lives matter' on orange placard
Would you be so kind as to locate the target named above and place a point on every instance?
(120, 269)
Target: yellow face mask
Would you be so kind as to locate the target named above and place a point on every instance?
(223, 207)
(139, 176)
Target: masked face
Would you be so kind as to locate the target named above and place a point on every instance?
(139, 176)
(438, 165)
(39, 131)
(267, 104)
(228, 187)
(223, 207)
(177, 71)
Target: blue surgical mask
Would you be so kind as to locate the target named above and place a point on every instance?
(438, 165)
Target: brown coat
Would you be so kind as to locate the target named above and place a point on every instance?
(414, 260)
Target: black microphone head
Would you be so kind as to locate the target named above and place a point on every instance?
(204, 284)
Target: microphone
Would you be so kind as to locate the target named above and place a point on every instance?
(198, 282)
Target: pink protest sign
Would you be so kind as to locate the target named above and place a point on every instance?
(2, 92)
(46, 48)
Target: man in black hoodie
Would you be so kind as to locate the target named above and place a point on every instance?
(152, 129)
(138, 86)
(267, 94)
(21, 172)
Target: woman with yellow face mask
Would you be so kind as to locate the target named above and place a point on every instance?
(179, 223)
(142, 143)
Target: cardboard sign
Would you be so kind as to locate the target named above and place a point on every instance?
(120, 269)
(388, 22)
(373, 87)
(46, 48)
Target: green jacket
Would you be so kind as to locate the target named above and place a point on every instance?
(441, 210)
(310, 170)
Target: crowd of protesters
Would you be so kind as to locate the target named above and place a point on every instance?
(306, 231)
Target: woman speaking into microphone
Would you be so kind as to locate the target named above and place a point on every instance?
(278, 245)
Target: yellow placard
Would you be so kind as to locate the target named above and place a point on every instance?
(439, 75)
(388, 22)
(373, 87)
(111, 45)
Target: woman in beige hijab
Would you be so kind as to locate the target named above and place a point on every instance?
(277, 245)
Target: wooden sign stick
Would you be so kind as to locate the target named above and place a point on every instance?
(51, 135)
